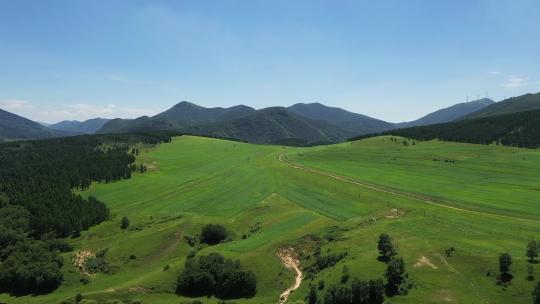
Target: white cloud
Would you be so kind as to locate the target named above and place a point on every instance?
(514, 81)
(120, 78)
(76, 111)
(16, 104)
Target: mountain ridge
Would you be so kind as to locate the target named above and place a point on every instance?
(15, 127)
(526, 102)
(89, 126)
(448, 114)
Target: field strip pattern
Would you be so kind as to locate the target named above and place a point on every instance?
(375, 188)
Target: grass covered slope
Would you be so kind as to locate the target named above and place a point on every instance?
(195, 181)
(490, 178)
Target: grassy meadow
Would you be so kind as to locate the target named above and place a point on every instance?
(194, 181)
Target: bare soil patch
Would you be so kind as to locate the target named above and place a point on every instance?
(289, 259)
(79, 259)
(394, 213)
(423, 262)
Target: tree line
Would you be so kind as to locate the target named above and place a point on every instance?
(38, 206)
(520, 129)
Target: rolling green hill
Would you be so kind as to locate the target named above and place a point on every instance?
(527, 102)
(478, 199)
(14, 127)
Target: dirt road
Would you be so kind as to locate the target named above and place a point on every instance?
(380, 189)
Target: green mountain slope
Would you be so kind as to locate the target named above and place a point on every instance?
(13, 127)
(143, 123)
(522, 103)
(270, 125)
(89, 126)
(351, 122)
(521, 129)
(273, 125)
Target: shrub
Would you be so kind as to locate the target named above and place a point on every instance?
(95, 265)
(101, 253)
(85, 280)
(212, 234)
(329, 260)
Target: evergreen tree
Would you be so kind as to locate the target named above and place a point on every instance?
(386, 247)
(395, 276)
(505, 261)
(124, 224)
(532, 250)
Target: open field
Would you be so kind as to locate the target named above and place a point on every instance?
(193, 181)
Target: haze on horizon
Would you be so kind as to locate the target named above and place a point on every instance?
(392, 60)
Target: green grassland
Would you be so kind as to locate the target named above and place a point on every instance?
(193, 181)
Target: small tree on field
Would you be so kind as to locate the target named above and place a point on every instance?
(212, 234)
(505, 261)
(532, 250)
(124, 224)
(386, 247)
(395, 276)
(530, 272)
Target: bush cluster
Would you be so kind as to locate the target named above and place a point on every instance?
(213, 275)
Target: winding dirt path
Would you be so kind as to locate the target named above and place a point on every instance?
(289, 260)
(410, 196)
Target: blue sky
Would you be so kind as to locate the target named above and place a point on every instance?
(393, 60)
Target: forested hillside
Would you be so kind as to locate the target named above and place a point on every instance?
(520, 129)
(449, 114)
(351, 122)
(37, 204)
(527, 102)
(273, 126)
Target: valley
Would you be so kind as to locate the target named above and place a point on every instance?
(267, 205)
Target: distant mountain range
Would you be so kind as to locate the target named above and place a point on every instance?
(521, 103)
(301, 124)
(14, 127)
(449, 114)
(270, 125)
(274, 125)
(348, 121)
(89, 126)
